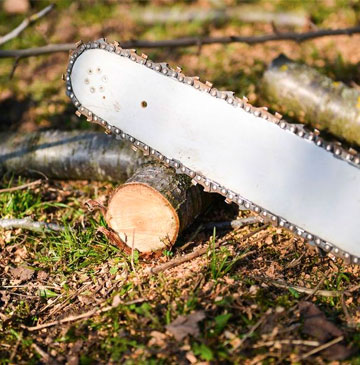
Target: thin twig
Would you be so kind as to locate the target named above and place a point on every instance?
(300, 289)
(25, 23)
(316, 289)
(190, 41)
(349, 320)
(45, 357)
(13, 353)
(21, 187)
(235, 224)
(354, 288)
(13, 69)
(27, 223)
(88, 314)
(287, 342)
(132, 263)
(253, 329)
(64, 303)
(320, 348)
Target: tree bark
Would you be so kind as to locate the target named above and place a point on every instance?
(154, 205)
(303, 92)
(76, 155)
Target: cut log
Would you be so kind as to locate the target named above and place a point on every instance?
(154, 205)
(303, 92)
(76, 155)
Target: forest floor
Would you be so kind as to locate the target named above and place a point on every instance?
(264, 296)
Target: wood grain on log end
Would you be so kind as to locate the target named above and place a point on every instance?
(142, 217)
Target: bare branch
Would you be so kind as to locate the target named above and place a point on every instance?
(190, 41)
(36, 51)
(245, 13)
(27, 223)
(25, 23)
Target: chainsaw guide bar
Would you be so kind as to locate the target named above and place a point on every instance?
(284, 172)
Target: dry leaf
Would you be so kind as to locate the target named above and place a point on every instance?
(317, 325)
(21, 273)
(186, 325)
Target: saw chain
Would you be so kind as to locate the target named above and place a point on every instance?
(335, 149)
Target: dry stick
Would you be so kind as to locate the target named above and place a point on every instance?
(64, 303)
(190, 41)
(13, 69)
(320, 348)
(46, 358)
(300, 289)
(287, 342)
(27, 223)
(21, 187)
(354, 288)
(349, 320)
(13, 353)
(81, 316)
(253, 329)
(316, 289)
(235, 224)
(180, 260)
(25, 23)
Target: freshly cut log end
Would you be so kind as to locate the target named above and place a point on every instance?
(150, 210)
(140, 214)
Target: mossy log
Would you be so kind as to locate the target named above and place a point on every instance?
(76, 155)
(303, 92)
(154, 205)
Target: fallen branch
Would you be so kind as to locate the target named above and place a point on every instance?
(27, 223)
(313, 98)
(21, 187)
(190, 41)
(68, 155)
(25, 23)
(88, 314)
(244, 13)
